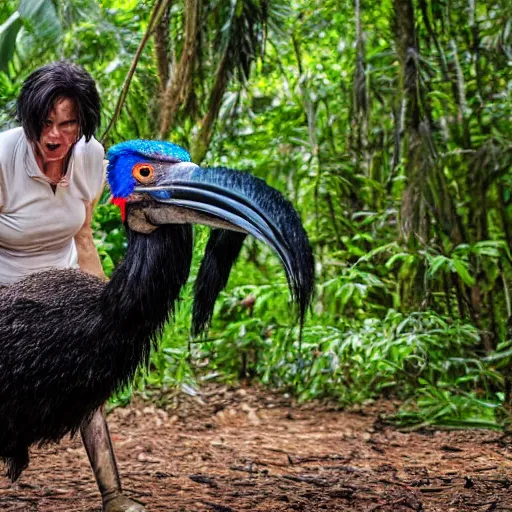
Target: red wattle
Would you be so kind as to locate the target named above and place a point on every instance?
(121, 202)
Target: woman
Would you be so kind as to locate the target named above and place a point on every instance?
(51, 174)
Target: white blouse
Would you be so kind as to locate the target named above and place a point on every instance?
(38, 225)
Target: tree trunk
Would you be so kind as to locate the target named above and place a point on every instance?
(178, 90)
(407, 49)
(419, 151)
(202, 139)
(162, 48)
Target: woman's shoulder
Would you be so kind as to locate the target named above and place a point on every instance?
(91, 149)
(11, 135)
(8, 141)
(88, 169)
(89, 158)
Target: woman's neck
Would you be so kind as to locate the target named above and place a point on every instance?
(53, 170)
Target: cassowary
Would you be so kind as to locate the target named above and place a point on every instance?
(69, 340)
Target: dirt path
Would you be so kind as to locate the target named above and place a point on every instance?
(248, 450)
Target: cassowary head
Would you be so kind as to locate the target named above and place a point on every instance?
(155, 183)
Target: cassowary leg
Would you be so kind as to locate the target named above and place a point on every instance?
(98, 446)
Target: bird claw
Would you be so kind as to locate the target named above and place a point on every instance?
(122, 504)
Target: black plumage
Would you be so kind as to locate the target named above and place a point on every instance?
(221, 252)
(70, 339)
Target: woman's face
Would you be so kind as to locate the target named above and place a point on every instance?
(60, 131)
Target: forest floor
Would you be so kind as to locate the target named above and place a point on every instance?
(230, 450)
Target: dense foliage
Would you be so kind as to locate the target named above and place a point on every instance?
(386, 123)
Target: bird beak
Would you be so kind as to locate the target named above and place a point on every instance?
(186, 201)
(237, 201)
(203, 196)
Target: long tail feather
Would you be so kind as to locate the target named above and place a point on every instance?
(221, 253)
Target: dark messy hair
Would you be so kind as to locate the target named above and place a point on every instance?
(45, 86)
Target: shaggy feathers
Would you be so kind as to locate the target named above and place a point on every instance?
(69, 340)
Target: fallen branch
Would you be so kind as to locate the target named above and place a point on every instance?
(308, 479)
(201, 479)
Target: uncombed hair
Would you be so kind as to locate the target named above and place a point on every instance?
(51, 82)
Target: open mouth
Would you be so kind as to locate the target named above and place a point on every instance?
(52, 147)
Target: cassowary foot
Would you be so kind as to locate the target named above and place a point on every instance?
(120, 503)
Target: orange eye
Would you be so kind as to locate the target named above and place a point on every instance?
(143, 173)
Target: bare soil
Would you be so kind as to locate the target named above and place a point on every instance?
(243, 449)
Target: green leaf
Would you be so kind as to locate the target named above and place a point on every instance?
(463, 272)
(40, 16)
(29, 8)
(498, 355)
(437, 263)
(8, 33)
(402, 256)
(346, 293)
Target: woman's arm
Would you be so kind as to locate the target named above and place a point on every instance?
(88, 257)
